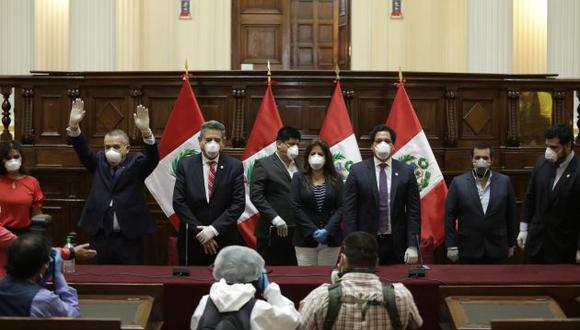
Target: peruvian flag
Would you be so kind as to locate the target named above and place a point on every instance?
(180, 139)
(413, 148)
(261, 143)
(338, 133)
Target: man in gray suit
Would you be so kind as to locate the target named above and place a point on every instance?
(480, 213)
(270, 192)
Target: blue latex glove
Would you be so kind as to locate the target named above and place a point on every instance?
(263, 281)
(320, 235)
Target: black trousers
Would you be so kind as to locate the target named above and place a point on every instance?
(116, 249)
(276, 250)
(387, 251)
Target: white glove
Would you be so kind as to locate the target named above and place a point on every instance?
(206, 234)
(411, 256)
(578, 257)
(281, 226)
(521, 240)
(453, 254)
(77, 113)
(511, 252)
(141, 117)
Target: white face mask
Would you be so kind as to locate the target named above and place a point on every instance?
(212, 149)
(316, 162)
(13, 165)
(292, 152)
(551, 155)
(481, 167)
(382, 150)
(113, 156)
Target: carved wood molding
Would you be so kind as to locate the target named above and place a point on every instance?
(558, 113)
(28, 114)
(6, 120)
(348, 94)
(451, 116)
(578, 113)
(238, 139)
(513, 133)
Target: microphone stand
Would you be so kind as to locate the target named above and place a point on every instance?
(420, 270)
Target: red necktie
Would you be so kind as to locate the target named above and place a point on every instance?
(211, 177)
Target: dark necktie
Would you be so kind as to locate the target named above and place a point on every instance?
(211, 177)
(383, 200)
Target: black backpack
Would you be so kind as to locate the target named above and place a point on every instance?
(212, 319)
(335, 300)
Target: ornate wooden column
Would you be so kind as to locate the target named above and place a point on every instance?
(136, 94)
(578, 115)
(558, 108)
(27, 127)
(238, 138)
(348, 94)
(513, 133)
(6, 120)
(451, 117)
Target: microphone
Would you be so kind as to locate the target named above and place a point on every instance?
(421, 269)
(183, 271)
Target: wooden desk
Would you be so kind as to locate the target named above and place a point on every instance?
(133, 311)
(28, 323)
(477, 312)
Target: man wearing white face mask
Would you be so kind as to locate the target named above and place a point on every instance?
(550, 226)
(381, 197)
(269, 192)
(209, 197)
(480, 213)
(116, 215)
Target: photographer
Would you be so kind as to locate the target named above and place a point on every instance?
(22, 292)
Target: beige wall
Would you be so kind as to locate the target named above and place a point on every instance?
(167, 41)
(432, 36)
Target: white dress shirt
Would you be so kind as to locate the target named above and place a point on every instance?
(292, 168)
(560, 170)
(484, 192)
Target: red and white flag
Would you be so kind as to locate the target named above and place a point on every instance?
(180, 139)
(261, 143)
(338, 133)
(412, 147)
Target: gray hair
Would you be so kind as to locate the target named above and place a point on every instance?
(214, 125)
(119, 133)
(238, 264)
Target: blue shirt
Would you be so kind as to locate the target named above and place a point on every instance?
(63, 302)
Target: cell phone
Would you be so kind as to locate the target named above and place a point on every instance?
(50, 271)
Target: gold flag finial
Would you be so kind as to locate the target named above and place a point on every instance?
(337, 71)
(400, 75)
(186, 68)
(269, 73)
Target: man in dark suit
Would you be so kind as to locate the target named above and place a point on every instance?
(116, 216)
(270, 192)
(482, 202)
(550, 226)
(208, 198)
(381, 197)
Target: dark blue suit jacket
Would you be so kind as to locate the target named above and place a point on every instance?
(361, 203)
(553, 215)
(491, 233)
(225, 206)
(307, 217)
(126, 189)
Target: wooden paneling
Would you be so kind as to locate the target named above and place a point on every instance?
(444, 103)
(296, 34)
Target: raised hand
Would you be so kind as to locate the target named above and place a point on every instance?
(141, 117)
(77, 113)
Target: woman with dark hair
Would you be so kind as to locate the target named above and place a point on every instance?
(317, 201)
(20, 195)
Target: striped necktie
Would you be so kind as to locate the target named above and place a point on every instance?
(211, 177)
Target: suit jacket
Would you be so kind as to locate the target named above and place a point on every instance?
(479, 234)
(361, 203)
(126, 188)
(553, 215)
(309, 219)
(270, 191)
(225, 206)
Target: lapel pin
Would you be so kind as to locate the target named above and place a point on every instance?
(396, 173)
(221, 167)
(567, 176)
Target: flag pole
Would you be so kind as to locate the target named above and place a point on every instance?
(337, 71)
(400, 75)
(269, 74)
